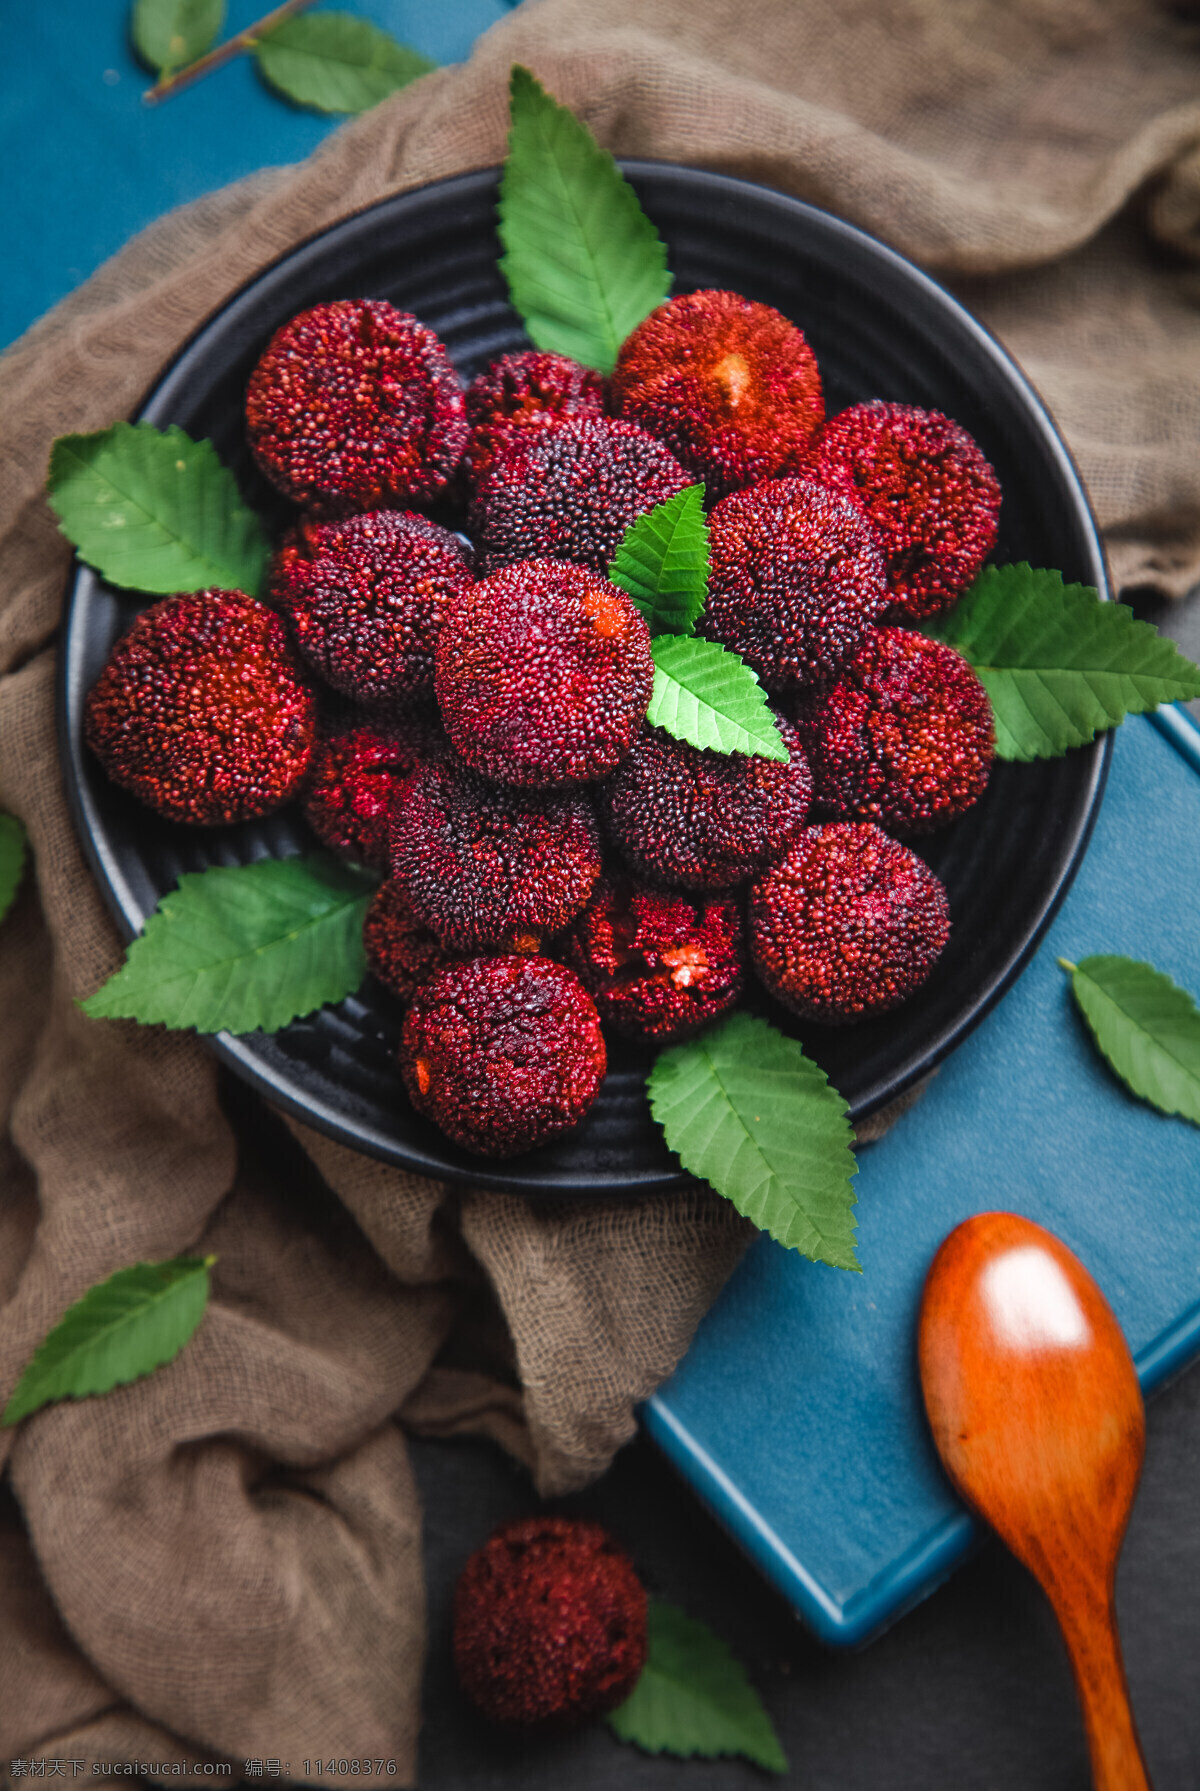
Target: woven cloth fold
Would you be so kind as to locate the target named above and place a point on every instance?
(223, 1561)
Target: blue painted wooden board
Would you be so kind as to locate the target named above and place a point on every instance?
(797, 1413)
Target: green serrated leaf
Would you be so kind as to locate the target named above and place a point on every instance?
(694, 1697)
(662, 562)
(119, 1331)
(12, 860)
(744, 1109)
(709, 697)
(244, 949)
(1146, 1026)
(1058, 665)
(583, 262)
(336, 62)
(153, 510)
(168, 34)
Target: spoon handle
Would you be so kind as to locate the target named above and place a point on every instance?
(1089, 1626)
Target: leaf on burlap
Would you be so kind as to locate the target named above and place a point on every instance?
(245, 948)
(1059, 666)
(336, 62)
(583, 262)
(1146, 1026)
(119, 1331)
(744, 1109)
(168, 34)
(153, 510)
(662, 562)
(12, 860)
(710, 697)
(694, 1697)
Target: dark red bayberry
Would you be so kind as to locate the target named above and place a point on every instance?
(355, 406)
(904, 738)
(401, 952)
(927, 491)
(544, 674)
(203, 711)
(849, 923)
(795, 582)
(532, 390)
(489, 868)
(731, 386)
(503, 1053)
(549, 1624)
(658, 964)
(571, 491)
(702, 819)
(366, 599)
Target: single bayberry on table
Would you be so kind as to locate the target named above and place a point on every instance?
(549, 1624)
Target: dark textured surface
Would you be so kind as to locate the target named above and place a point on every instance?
(879, 329)
(970, 1692)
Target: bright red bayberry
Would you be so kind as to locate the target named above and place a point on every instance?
(905, 737)
(355, 406)
(796, 580)
(849, 923)
(357, 769)
(730, 385)
(544, 674)
(549, 1624)
(401, 952)
(366, 599)
(203, 711)
(927, 491)
(658, 964)
(503, 1053)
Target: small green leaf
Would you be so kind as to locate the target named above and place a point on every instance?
(167, 34)
(744, 1109)
(709, 697)
(12, 860)
(1146, 1026)
(119, 1331)
(662, 562)
(336, 62)
(152, 510)
(1059, 665)
(694, 1697)
(583, 262)
(244, 949)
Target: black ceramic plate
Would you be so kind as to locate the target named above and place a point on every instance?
(880, 329)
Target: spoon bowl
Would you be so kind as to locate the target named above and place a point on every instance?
(1037, 1415)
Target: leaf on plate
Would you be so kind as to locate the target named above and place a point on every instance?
(583, 262)
(244, 949)
(12, 860)
(336, 62)
(1146, 1026)
(119, 1331)
(710, 697)
(744, 1109)
(168, 34)
(694, 1697)
(1059, 665)
(662, 562)
(152, 510)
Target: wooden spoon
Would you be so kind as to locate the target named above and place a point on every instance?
(1038, 1418)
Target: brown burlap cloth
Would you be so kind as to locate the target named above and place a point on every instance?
(224, 1560)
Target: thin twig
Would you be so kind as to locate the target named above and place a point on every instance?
(233, 46)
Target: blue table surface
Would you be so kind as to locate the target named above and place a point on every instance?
(87, 164)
